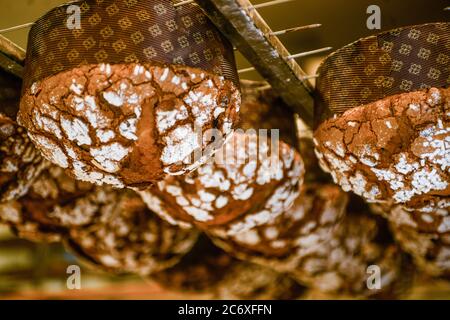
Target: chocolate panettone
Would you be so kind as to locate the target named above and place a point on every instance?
(208, 269)
(20, 161)
(249, 182)
(259, 167)
(200, 270)
(247, 281)
(343, 264)
(24, 226)
(141, 95)
(430, 251)
(54, 203)
(126, 237)
(425, 221)
(326, 245)
(395, 149)
(383, 117)
(279, 243)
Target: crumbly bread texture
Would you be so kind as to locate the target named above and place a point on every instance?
(126, 237)
(20, 161)
(247, 184)
(129, 124)
(396, 149)
(247, 281)
(430, 251)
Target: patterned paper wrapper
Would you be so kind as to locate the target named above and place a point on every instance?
(126, 31)
(397, 61)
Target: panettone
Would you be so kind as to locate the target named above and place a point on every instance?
(136, 96)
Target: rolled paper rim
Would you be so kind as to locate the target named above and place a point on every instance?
(129, 31)
(396, 61)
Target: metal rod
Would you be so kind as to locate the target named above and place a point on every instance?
(308, 53)
(246, 70)
(293, 56)
(280, 32)
(22, 26)
(256, 6)
(262, 88)
(183, 3)
(270, 3)
(268, 86)
(313, 76)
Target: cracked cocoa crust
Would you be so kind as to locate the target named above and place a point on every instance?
(396, 149)
(315, 214)
(220, 194)
(200, 270)
(340, 265)
(54, 203)
(247, 281)
(128, 124)
(435, 221)
(430, 251)
(208, 269)
(325, 247)
(20, 161)
(25, 227)
(234, 192)
(126, 237)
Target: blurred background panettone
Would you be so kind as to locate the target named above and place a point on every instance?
(111, 233)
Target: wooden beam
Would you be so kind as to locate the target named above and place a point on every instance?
(251, 35)
(11, 57)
